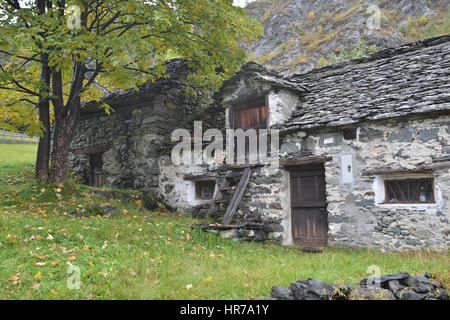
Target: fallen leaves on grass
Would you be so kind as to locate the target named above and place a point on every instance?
(36, 285)
(14, 278)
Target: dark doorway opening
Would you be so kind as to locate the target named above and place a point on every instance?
(96, 178)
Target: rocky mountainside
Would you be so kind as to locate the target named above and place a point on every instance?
(303, 34)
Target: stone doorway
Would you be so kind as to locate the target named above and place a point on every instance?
(309, 218)
(96, 177)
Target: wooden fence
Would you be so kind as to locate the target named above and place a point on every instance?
(10, 137)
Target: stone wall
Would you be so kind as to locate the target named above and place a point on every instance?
(398, 84)
(397, 100)
(178, 192)
(137, 133)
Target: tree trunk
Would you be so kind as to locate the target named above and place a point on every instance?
(66, 118)
(64, 130)
(65, 126)
(43, 153)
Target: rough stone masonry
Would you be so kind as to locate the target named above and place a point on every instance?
(372, 122)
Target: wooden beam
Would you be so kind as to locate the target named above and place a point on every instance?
(395, 171)
(227, 167)
(305, 161)
(204, 177)
(443, 165)
(237, 196)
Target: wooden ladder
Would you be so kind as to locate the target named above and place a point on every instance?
(222, 196)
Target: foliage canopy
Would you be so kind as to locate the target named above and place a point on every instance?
(113, 44)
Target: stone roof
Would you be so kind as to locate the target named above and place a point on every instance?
(252, 74)
(412, 79)
(176, 70)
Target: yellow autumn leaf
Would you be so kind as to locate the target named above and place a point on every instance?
(38, 275)
(209, 279)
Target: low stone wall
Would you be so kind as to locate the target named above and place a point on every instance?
(400, 286)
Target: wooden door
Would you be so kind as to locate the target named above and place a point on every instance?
(309, 218)
(96, 164)
(249, 115)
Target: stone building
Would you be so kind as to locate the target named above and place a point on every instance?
(121, 149)
(364, 152)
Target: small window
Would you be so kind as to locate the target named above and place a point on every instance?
(204, 189)
(349, 134)
(250, 115)
(410, 191)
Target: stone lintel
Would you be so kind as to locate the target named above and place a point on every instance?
(427, 168)
(91, 150)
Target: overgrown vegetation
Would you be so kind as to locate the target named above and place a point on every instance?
(422, 27)
(324, 31)
(138, 254)
(359, 50)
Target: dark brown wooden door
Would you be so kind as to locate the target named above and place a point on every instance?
(309, 220)
(250, 118)
(250, 115)
(96, 164)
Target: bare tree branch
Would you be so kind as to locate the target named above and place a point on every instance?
(21, 57)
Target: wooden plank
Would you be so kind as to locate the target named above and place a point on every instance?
(308, 208)
(395, 171)
(304, 161)
(227, 167)
(237, 196)
(204, 177)
(217, 196)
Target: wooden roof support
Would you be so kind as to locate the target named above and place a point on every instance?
(204, 177)
(305, 161)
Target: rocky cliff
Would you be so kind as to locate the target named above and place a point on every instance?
(302, 34)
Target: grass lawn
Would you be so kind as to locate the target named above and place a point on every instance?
(153, 255)
(13, 154)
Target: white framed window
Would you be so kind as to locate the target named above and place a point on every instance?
(415, 191)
